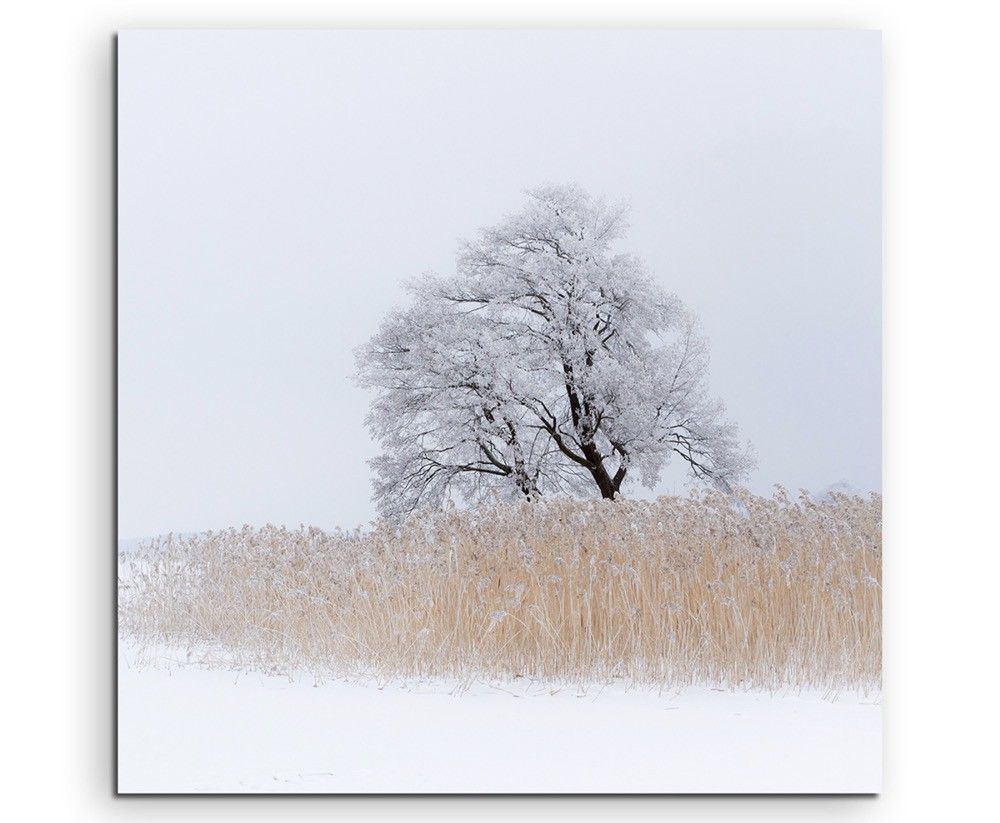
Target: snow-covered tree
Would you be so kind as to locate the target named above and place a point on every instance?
(547, 363)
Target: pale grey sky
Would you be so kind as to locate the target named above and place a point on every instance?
(276, 188)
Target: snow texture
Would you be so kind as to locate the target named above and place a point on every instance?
(195, 730)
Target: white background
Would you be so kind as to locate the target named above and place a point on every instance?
(939, 441)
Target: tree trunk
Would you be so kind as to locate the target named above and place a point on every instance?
(598, 472)
(604, 484)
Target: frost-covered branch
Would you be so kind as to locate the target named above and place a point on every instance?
(547, 362)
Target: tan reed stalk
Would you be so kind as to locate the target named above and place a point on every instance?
(750, 591)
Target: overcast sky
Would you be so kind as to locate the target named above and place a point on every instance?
(276, 188)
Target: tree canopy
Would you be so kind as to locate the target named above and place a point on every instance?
(548, 363)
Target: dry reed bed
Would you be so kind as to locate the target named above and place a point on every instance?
(760, 592)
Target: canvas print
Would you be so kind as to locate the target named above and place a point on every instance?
(499, 412)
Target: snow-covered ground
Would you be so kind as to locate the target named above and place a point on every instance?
(188, 729)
